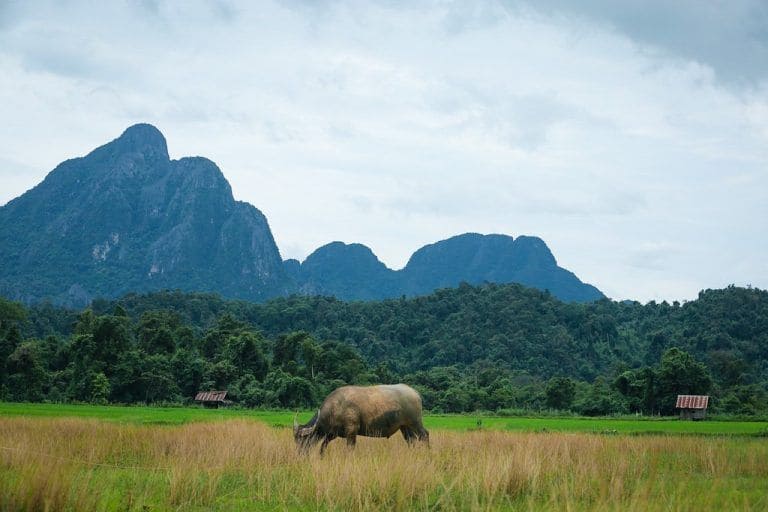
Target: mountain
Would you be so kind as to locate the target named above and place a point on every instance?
(475, 259)
(346, 271)
(127, 218)
(352, 272)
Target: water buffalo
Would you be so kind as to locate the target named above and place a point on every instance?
(372, 411)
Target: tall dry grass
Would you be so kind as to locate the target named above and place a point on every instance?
(75, 464)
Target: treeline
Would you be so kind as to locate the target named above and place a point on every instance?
(491, 347)
(158, 358)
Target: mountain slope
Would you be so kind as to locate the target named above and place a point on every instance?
(475, 258)
(127, 218)
(346, 271)
(352, 272)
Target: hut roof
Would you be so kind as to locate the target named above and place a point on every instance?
(210, 396)
(692, 401)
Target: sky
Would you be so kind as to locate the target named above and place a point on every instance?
(631, 136)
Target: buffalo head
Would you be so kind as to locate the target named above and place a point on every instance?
(306, 435)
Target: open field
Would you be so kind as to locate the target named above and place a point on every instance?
(183, 415)
(240, 464)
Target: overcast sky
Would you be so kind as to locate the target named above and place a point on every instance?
(631, 136)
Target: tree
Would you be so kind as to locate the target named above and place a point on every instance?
(26, 374)
(126, 380)
(680, 374)
(9, 341)
(100, 388)
(155, 332)
(341, 361)
(83, 364)
(501, 394)
(248, 392)
(246, 352)
(157, 379)
(640, 389)
(11, 314)
(383, 374)
(85, 322)
(464, 340)
(285, 352)
(188, 368)
(456, 399)
(215, 339)
(745, 400)
(111, 335)
(220, 375)
(730, 367)
(599, 400)
(287, 390)
(560, 392)
(311, 353)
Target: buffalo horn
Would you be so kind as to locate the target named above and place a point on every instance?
(308, 431)
(314, 426)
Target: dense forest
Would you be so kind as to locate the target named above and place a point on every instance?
(491, 347)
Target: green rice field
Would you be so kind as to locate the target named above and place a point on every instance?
(456, 422)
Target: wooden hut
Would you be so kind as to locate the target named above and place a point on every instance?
(692, 407)
(212, 399)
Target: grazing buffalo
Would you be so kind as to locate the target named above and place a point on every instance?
(373, 411)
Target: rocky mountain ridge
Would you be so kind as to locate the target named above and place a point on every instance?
(127, 218)
(353, 272)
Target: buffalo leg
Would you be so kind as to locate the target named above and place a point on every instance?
(408, 435)
(323, 446)
(422, 434)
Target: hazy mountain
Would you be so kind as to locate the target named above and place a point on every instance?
(346, 271)
(126, 218)
(352, 272)
(475, 258)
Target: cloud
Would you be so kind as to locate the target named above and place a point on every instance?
(729, 36)
(611, 135)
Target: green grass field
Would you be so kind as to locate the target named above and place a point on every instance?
(183, 415)
(81, 457)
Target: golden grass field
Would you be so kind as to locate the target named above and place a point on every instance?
(80, 464)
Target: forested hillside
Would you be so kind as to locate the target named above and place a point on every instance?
(474, 347)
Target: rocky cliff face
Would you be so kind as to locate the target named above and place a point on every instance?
(346, 271)
(476, 259)
(127, 218)
(353, 272)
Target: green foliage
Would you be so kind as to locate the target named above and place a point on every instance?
(247, 351)
(639, 388)
(286, 390)
(26, 373)
(599, 399)
(100, 389)
(745, 400)
(11, 313)
(560, 393)
(466, 349)
(680, 374)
